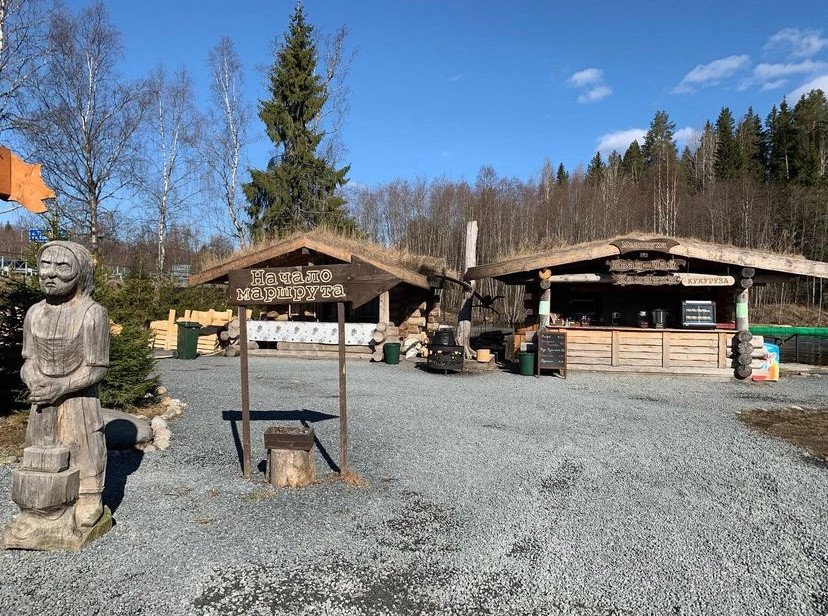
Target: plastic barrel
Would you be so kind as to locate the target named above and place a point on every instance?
(392, 352)
(188, 339)
(527, 364)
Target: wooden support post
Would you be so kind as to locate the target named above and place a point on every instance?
(545, 299)
(742, 321)
(384, 307)
(665, 349)
(343, 399)
(245, 393)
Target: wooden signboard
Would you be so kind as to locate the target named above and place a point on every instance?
(355, 282)
(552, 351)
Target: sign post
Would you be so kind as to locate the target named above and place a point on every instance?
(355, 282)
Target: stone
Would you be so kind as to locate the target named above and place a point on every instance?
(125, 431)
(158, 423)
(160, 390)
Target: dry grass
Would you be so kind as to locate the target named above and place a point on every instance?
(790, 314)
(552, 242)
(13, 434)
(365, 248)
(807, 428)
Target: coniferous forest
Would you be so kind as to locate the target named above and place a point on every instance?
(161, 179)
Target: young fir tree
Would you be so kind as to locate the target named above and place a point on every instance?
(562, 177)
(633, 162)
(751, 141)
(595, 169)
(726, 165)
(780, 143)
(297, 190)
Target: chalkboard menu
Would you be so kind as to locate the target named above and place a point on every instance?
(552, 351)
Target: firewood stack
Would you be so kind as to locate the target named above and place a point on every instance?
(385, 332)
(229, 339)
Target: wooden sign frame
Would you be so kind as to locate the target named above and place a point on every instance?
(356, 282)
(539, 349)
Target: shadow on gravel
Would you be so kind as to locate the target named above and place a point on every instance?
(303, 416)
(119, 466)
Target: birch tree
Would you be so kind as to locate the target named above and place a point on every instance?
(82, 118)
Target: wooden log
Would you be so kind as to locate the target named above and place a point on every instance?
(744, 360)
(746, 283)
(378, 336)
(377, 355)
(291, 468)
(748, 272)
(224, 335)
(416, 321)
(233, 328)
(382, 326)
(742, 372)
(252, 344)
(231, 351)
(545, 284)
(743, 336)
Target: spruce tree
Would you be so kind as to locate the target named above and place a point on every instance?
(595, 169)
(633, 162)
(780, 130)
(727, 150)
(298, 188)
(751, 142)
(562, 177)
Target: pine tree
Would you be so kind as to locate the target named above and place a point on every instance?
(727, 150)
(298, 188)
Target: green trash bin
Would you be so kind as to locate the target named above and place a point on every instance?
(527, 364)
(188, 339)
(392, 352)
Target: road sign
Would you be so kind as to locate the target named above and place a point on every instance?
(38, 235)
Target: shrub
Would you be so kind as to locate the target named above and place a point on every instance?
(16, 297)
(131, 364)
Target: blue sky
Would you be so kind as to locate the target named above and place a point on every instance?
(440, 88)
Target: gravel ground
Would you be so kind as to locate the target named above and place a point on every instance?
(485, 493)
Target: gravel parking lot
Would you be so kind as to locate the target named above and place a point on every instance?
(484, 493)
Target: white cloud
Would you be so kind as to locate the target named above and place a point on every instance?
(687, 136)
(773, 85)
(455, 78)
(767, 72)
(705, 75)
(591, 83)
(586, 77)
(620, 140)
(820, 83)
(796, 43)
(595, 94)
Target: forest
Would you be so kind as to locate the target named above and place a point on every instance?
(152, 162)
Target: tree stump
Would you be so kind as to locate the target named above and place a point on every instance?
(290, 458)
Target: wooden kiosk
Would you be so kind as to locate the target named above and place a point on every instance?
(648, 305)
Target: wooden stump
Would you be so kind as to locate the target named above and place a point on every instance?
(291, 468)
(290, 459)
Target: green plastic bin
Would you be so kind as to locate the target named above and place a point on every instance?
(392, 352)
(527, 364)
(188, 339)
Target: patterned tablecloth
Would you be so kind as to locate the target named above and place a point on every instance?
(308, 331)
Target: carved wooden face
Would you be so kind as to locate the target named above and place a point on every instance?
(58, 271)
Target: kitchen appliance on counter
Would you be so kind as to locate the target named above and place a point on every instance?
(698, 314)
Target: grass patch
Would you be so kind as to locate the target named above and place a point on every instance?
(804, 427)
(13, 433)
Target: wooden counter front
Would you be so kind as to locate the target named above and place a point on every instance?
(665, 351)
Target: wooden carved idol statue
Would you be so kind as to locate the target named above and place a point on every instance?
(66, 350)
